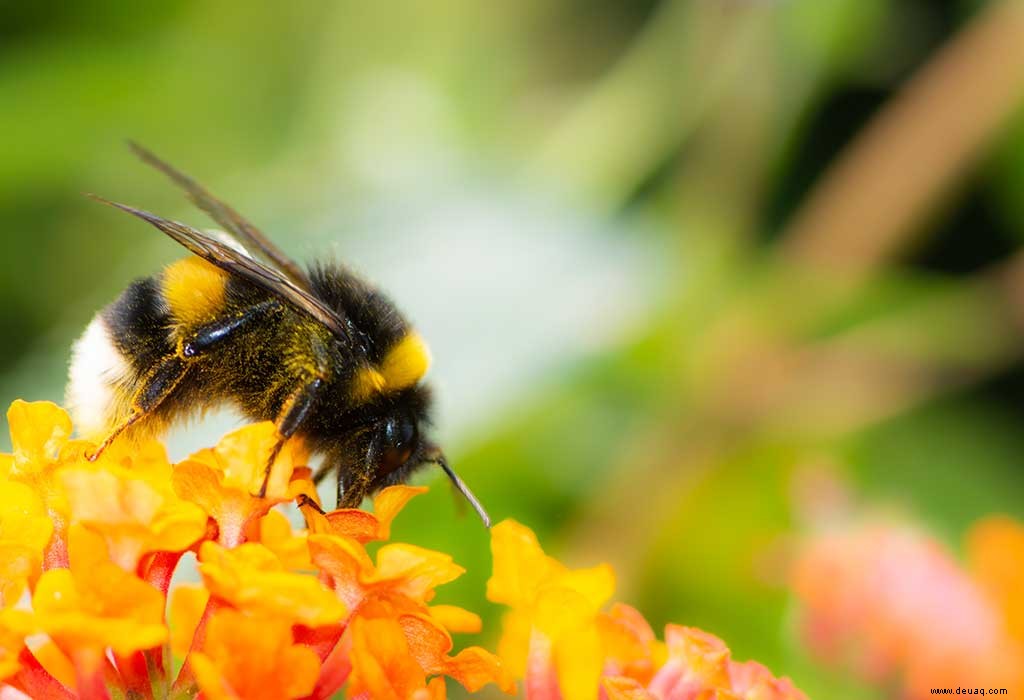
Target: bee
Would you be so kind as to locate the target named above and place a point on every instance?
(318, 351)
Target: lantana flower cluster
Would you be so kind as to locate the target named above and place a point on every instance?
(88, 551)
(894, 604)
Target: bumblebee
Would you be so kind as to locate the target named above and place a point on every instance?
(320, 352)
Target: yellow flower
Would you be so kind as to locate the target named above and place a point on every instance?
(286, 613)
(97, 605)
(555, 611)
(251, 578)
(558, 638)
(132, 507)
(253, 658)
(25, 530)
(14, 626)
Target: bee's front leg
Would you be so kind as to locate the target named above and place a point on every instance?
(159, 382)
(156, 386)
(352, 488)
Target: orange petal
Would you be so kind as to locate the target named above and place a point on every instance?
(276, 534)
(133, 515)
(628, 642)
(360, 525)
(252, 578)
(15, 625)
(390, 502)
(995, 549)
(56, 663)
(253, 658)
(622, 688)
(416, 571)
(186, 610)
(101, 607)
(752, 680)
(474, 667)
(382, 666)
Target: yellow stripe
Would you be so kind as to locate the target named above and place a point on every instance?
(193, 289)
(402, 367)
(406, 363)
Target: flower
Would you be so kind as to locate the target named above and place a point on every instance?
(224, 481)
(25, 530)
(248, 657)
(133, 507)
(871, 593)
(559, 637)
(283, 612)
(251, 578)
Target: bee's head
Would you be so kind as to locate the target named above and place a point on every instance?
(400, 447)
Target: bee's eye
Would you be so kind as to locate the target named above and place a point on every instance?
(399, 442)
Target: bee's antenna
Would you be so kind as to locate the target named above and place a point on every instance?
(461, 487)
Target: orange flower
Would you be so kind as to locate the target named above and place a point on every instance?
(383, 667)
(224, 481)
(390, 595)
(285, 613)
(25, 530)
(873, 593)
(358, 524)
(995, 550)
(566, 647)
(253, 658)
(186, 610)
(275, 533)
(132, 507)
(97, 605)
(251, 578)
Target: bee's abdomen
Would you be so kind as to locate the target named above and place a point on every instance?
(108, 358)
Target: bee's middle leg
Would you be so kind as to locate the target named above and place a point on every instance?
(290, 418)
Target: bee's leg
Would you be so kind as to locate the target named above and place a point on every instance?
(162, 380)
(351, 492)
(292, 415)
(156, 386)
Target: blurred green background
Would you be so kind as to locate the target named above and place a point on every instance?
(676, 259)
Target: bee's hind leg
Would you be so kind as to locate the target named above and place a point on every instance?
(290, 419)
(156, 386)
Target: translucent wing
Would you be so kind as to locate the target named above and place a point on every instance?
(225, 215)
(237, 263)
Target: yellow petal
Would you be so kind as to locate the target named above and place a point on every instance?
(252, 578)
(456, 619)
(25, 530)
(520, 565)
(275, 533)
(38, 431)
